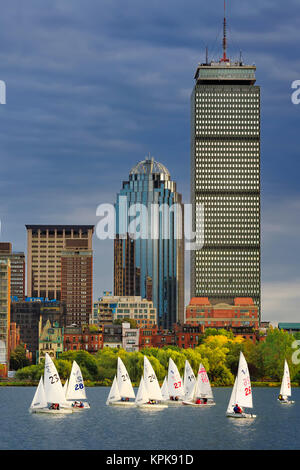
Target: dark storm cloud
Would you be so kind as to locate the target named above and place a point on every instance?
(93, 86)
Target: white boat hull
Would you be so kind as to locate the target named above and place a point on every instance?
(121, 403)
(172, 402)
(157, 406)
(200, 405)
(61, 411)
(240, 415)
(286, 402)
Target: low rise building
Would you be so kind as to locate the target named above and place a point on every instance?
(112, 336)
(50, 340)
(130, 338)
(241, 312)
(27, 315)
(83, 338)
(291, 328)
(109, 308)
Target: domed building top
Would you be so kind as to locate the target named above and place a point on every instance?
(149, 166)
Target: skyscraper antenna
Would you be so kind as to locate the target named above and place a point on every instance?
(224, 59)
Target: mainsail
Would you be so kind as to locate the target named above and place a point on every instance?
(189, 381)
(175, 383)
(124, 382)
(285, 389)
(151, 382)
(76, 388)
(52, 384)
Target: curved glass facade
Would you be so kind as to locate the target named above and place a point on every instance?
(149, 244)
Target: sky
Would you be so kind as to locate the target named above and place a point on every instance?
(93, 86)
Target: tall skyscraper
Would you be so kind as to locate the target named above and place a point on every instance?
(225, 180)
(151, 265)
(45, 244)
(17, 264)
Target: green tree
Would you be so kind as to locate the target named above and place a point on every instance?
(274, 350)
(18, 358)
(132, 322)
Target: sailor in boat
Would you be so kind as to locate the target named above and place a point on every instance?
(54, 406)
(280, 398)
(78, 404)
(237, 409)
(152, 402)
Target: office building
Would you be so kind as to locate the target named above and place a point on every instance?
(149, 245)
(4, 315)
(77, 281)
(17, 268)
(45, 244)
(225, 180)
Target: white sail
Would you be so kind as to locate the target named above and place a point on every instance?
(175, 383)
(151, 382)
(76, 388)
(232, 401)
(114, 394)
(285, 389)
(39, 399)
(52, 384)
(165, 390)
(203, 388)
(243, 390)
(65, 386)
(189, 381)
(142, 394)
(124, 382)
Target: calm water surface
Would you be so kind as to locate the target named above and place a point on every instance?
(179, 428)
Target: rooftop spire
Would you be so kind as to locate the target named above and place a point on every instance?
(224, 58)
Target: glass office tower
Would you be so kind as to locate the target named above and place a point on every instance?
(225, 179)
(149, 243)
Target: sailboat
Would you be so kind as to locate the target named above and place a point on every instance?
(149, 395)
(285, 389)
(75, 393)
(242, 392)
(49, 396)
(175, 385)
(201, 394)
(121, 390)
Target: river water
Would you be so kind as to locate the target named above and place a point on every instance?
(175, 428)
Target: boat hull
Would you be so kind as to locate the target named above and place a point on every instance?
(240, 415)
(61, 411)
(200, 405)
(157, 406)
(172, 402)
(122, 403)
(286, 402)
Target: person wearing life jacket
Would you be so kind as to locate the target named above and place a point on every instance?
(280, 398)
(198, 401)
(237, 409)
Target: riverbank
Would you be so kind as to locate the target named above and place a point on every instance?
(15, 383)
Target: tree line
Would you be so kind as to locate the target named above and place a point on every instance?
(218, 351)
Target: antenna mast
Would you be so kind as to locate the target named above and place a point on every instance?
(224, 58)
